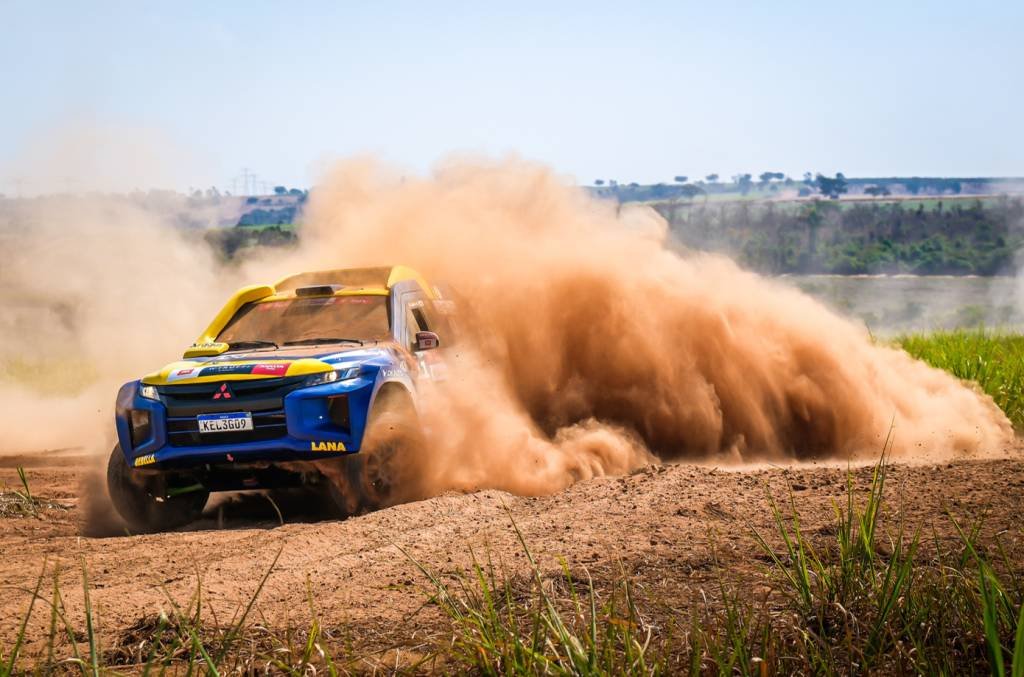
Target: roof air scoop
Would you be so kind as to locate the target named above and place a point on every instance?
(319, 290)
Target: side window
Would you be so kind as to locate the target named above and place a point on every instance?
(415, 320)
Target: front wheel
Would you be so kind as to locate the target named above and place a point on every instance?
(376, 476)
(140, 503)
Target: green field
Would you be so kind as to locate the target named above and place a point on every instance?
(992, 359)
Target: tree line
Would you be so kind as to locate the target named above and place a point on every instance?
(823, 236)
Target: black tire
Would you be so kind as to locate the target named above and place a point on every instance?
(372, 478)
(144, 508)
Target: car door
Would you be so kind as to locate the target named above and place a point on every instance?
(417, 316)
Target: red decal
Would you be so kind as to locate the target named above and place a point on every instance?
(185, 372)
(270, 369)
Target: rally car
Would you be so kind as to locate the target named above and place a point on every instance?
(312, 381)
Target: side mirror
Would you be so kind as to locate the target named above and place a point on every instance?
(427, 340)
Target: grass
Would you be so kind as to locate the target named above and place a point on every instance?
(862, 595)
(183, 640)
(868, 602)
(992, 359)
(21, 502)
(505, 625)
(860, 600)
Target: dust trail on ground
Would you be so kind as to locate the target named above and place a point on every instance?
(593, 348)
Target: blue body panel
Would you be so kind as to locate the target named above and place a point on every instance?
(310, 433)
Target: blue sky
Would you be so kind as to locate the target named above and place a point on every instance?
(185, 93)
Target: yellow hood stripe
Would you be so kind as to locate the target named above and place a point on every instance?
(181, 372)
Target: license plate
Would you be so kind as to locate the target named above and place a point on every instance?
(225, 423)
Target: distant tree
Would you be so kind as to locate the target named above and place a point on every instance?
(877, 191)
(680, 179)
(912, 185)
(634, 185)
(744, 182)
(613, 183)
(808, 178)
(803, 192)
(599, 182)
(831, 188)
(296, 191)
(660, 191)
(280, 190)
(690, 191)
(711, 178)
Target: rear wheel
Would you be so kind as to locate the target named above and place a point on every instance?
(141, 502)
(373, 477)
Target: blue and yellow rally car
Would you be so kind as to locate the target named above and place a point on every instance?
(309, 382)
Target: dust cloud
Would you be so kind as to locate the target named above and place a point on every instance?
(97, 291)
(588, 345)
(593, 348)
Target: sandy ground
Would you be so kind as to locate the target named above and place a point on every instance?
(666, 526)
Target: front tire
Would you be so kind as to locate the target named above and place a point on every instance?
(140, 502)
(374, 477)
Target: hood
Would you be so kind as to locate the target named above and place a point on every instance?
(261, 364)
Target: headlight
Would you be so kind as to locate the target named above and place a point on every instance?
(150, 393)
(346, 374)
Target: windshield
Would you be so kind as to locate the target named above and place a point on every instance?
(362, 318)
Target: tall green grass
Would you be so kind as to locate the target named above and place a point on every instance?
(992, 359)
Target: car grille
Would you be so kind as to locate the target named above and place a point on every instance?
(256, 395)
(263, 398)
(267, 425)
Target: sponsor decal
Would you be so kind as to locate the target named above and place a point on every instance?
(145, 460)
(225, 369)
(179, 374)
(326, 446)
(223, 393)
(397, 372)
(277, 369)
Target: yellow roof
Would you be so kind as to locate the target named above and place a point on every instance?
(381, 277)
(377, 280)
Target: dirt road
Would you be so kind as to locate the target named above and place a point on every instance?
(665, 525)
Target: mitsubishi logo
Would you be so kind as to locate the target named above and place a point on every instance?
(223, 393)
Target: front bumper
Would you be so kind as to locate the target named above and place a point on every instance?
(301, 429)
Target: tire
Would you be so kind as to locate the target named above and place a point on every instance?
(372, 478)
(141, 506)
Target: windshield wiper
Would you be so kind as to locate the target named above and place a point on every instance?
(252, 343)
(323, 339)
